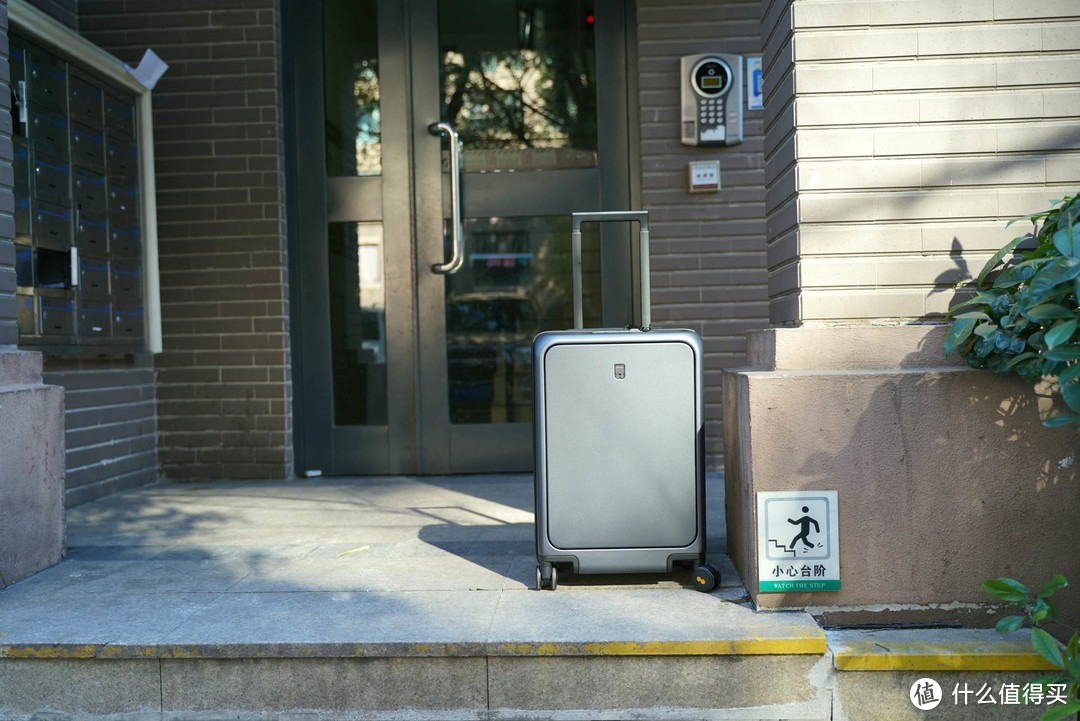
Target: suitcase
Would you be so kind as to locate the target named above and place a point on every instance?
(619, 452)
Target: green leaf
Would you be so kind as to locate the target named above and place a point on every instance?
(1001, 305)
(1054, 584)
(1059, 713)
(1049, 311)
(1007, 589)
(1015, 275)
(1010, 624)
(1069, 374)
(1073, 666)
(987, 344)
(1047, 647)
(984, 329)
(1063, 353)
(1067, 241)
(973, 315)
(1060, 333)
(1052, 277)
(1061, 419)
(960, 331)
(1021, 358)
(1071, 393)
(1031, 371)
(996, 260)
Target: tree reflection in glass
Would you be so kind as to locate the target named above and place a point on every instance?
(518, 83)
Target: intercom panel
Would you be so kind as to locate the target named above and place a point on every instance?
(712, 99)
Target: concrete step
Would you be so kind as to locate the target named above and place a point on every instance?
(576, 654)
(980, 674)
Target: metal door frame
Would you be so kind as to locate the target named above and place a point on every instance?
(413, 441)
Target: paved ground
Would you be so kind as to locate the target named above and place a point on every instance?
(365, 598)
(383, 562)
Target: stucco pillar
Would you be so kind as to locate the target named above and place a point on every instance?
(900, 140)
(32, 468)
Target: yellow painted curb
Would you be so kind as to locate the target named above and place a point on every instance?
(809, 644)
(916, 656)
(740, 647)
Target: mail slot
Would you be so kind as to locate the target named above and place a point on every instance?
(90, 192)
(48, 132)
(57, 315)
(123, 203)
(47, 81)
(52, 226)
(93, 276)
(94, 319)
(127, 322)
(87, 147)
(119, 117)
(27, 316)
(126, 281)
(122, 161)
(51, 177)
(84, 103)
(124, 240)
(91, 233)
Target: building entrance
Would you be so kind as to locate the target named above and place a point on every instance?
(436, 153)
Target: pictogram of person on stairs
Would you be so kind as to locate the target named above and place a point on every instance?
(804, 524)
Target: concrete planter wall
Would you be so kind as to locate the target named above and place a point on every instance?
(945, 475)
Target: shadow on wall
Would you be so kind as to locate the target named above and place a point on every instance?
(957, 482)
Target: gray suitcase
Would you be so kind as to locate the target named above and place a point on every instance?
(619, 452)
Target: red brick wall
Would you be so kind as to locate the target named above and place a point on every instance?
(224, 391)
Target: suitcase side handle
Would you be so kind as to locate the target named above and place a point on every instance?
(642, 218)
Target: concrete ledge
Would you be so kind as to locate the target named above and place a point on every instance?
(849, 348)
(934, 650)
(20, 368)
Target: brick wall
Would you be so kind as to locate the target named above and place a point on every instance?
(708, 265)
(109, 423)
(902, 137)
(65, 11)
(224, 392)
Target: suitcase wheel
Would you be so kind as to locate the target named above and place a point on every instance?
(550, 580)
(706, 578)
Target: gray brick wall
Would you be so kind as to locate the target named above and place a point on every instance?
(708, 266)
(224, 391)
(109, 420)
(9, 330)
(65, 11)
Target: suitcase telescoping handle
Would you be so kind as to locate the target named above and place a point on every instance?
(642, 218)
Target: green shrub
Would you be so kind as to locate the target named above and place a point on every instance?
(1023, 316)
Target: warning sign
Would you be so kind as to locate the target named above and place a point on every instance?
(798, 541)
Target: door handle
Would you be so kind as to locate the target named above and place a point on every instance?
(457, 259)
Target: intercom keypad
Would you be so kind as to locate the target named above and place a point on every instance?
(711, 99)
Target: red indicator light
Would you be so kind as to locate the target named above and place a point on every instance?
(590, 19)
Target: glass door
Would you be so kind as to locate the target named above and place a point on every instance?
(415, 355)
